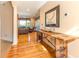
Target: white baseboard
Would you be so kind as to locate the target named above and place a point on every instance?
(14, 43)
(6, 40)
(70, 56)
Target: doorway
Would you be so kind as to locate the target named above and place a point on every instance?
(37, 24)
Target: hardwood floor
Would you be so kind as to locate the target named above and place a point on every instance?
(28, 47)
(4, 47)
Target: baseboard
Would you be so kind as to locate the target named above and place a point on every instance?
(14, 43)
(70, 56)
(6, 40)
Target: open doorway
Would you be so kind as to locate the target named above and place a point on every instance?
(25, 30)
(23, 26)
(37, 24)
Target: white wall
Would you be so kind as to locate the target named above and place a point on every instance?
(6, 21)
(15, 31)
(8, 17)
(68, 24)
(0, 27)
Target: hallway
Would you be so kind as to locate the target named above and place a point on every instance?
(28, 47)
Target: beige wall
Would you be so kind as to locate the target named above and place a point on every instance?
(33, 21)
(65, 7)
(38, 13)
(6, 14)
(68, 24)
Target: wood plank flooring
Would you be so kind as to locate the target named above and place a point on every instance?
(4, 47)
(28, 47)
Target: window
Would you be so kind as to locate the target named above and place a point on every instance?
(24, 24)
(28, 23)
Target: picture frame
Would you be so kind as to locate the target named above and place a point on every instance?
(52, 17)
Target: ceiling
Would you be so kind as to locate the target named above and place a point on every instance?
(28, 8)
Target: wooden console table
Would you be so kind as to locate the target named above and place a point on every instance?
(58, 41)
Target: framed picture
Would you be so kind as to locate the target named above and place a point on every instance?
(52, 17)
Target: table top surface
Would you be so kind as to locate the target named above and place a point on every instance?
(64, 37)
